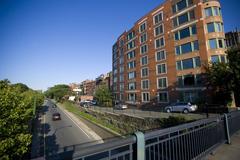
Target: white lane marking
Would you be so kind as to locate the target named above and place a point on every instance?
(75, 123)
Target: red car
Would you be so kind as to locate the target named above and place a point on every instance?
(56, 116)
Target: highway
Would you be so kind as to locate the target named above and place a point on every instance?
(62, 138)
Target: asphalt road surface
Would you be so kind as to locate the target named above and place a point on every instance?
(62, 138)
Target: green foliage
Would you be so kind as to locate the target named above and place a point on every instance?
(16, 108)
(224, 78)
(104, 96)
(234, 64)
(57, 92)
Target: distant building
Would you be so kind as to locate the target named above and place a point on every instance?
(88, 87)
(233, 38)
(104, 80)
(161, 58)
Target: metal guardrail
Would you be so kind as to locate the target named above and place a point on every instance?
(184, 142)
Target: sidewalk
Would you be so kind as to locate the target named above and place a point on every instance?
(226, 151)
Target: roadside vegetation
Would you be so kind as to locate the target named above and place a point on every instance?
(103, 96)
(58, 92)
(17, 107)
(224, 79)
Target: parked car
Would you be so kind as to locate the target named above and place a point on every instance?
(56, 116)
(121, 106)
(181, 107)
(93, 102)
(85, 103)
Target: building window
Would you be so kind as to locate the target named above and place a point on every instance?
(161, 68)
(121, 69)
(121, 60)
(181, 5)
(130, 36)
(121, 78)
(215, 27)
(132, 97)
(159, 42)
(158, 18)
(144, 60)
(131, 45)
(143, 27)
(131, 54)
(163, 97)
(189, 80)
(115, 80)
(144, 72)
(131, 64)
(188, 63)
(143, 38)
(186, 32)
(186, 17)
(212, 11)
(216, 43)
(160, 55)
(145, 97)
(121, 87)
(145, 84)
(131, 75)
(187, 48)
(132, 86)
(158, 30)
(218, 58)
(162, 82)
(143, 49)
(115, 71)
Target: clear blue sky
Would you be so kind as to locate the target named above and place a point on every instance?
(47, 42)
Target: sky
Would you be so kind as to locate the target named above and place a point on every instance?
(48, 42)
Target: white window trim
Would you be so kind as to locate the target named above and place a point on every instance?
(161, 59)
(145, 93)
(141, 49)
(141, 60)
(141, 72)
(157, 69)
(161, 24)
(141, 36)
(158, 83)
(155, 14)
(167, 96)
(142, 85)
(156, 43)
(145, 22)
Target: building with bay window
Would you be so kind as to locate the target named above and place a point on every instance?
(161, 58)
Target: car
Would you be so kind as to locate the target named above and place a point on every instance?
(181, 107)
(121, 106)
(93, 102)
(85, 103)
(56, 116)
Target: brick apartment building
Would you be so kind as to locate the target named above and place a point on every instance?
(88, 87)
(161, 58)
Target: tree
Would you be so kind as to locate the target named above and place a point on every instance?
(16, 108)
(58, 92)
(234, 64)
(103, 96)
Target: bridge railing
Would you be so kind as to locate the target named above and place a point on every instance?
(184, 142)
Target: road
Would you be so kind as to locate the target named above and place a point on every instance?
(62, 138)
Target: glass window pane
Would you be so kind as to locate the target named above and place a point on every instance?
(215, 59)
(183, 18)
(210, 27)
(208, 12)
(178, 65)
(184, 33)
(181, 5)
(194, 29)
(176, 36)
(223, 58)
(216, 11)
(187, 63)
(212, 44)
(220, 43)
(186, 48)
(197, 62)
(195, 46)
(177, 50)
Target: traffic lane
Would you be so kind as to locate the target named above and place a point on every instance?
(65, 130)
